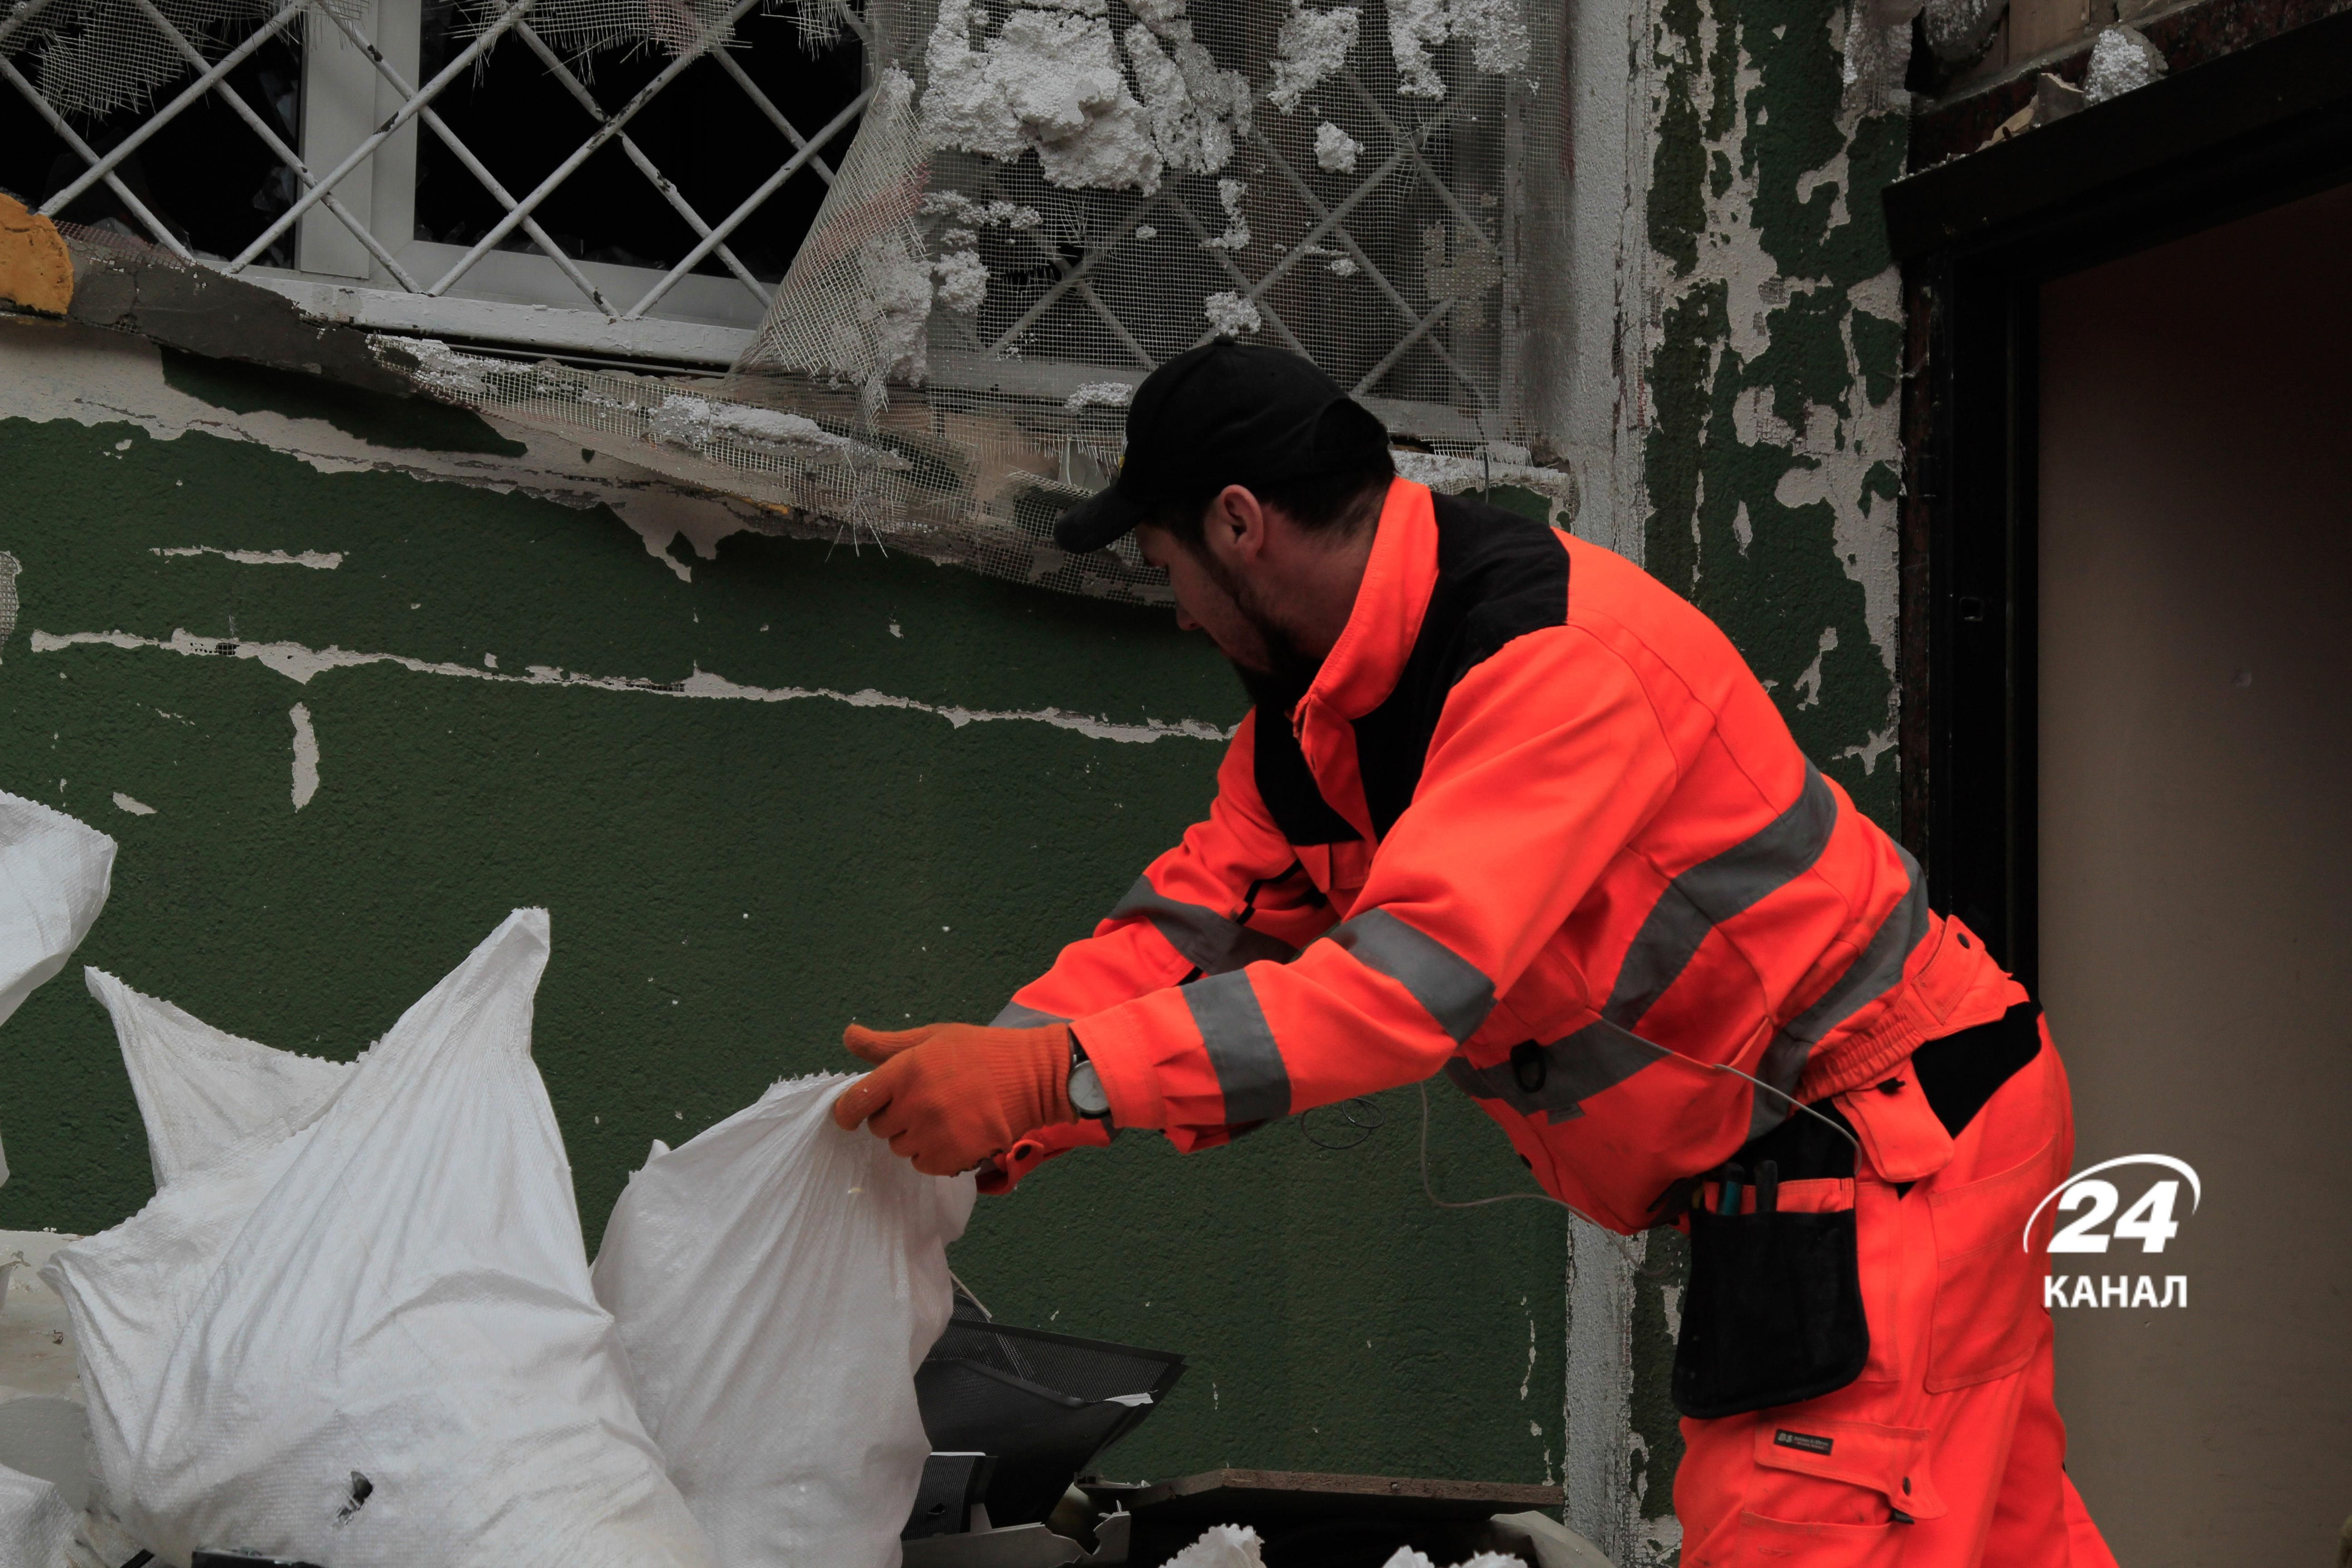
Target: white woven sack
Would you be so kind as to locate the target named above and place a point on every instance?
(36, 1522)
(776, 1281)
(202, 1091)
(373, 1343)
(54, 873)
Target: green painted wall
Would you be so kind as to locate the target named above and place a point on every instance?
(730, 881)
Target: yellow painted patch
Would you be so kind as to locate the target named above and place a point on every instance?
(36, 272)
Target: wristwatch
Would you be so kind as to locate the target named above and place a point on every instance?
(1086, 1095)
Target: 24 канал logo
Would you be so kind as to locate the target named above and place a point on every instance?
(2149, 1221)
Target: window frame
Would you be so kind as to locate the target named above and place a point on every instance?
(1980, 236)
(359, 72)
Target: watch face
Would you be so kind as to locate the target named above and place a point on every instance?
(1086, 1095)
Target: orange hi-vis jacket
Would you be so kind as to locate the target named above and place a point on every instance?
(1536, 825)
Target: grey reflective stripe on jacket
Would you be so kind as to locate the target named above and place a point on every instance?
(1606, 1052)
(1207, 940)
(1711, 892)
(1016, 1016)
(1874, 972)
(1250, 1070)
(1449, 987)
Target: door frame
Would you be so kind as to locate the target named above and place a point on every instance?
(1979, 237)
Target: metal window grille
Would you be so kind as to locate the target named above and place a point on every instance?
(346, 141)
(948, 361)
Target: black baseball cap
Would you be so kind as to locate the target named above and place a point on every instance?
(1225, 413)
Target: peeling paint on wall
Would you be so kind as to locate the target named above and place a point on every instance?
(302, 665)
(316, 559)
(1772, 460)
(50, 371)
(306, 756)
(9, 571)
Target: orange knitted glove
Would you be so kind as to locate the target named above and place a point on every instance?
(951, 1095)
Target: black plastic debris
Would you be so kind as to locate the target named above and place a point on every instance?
(1041, 1405)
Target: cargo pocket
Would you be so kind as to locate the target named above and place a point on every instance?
(1987, 1319)
(1773, 1312)
(1758, 1541)
(1858, 1489)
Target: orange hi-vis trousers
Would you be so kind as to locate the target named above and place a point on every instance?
(1948, 1451)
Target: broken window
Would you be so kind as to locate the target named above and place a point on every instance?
(615, 177)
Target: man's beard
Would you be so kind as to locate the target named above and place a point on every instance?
(1290, 669)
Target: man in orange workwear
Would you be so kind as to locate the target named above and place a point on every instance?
(1508, 809)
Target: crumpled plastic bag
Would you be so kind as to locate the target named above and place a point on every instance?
(54, 874)
(776, 1282)
(202, 1091)
(36, 1522)
(373, 1342)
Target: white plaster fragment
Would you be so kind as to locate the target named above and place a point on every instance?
(1311, 47)
(1046, 83)
(1743, 528)
(316, 559)
(2122, 58)
(1013, 216)
(1195, 110)
(306, 756)
(1099, 393)
(1146, 231)
(1335, 150)
(682, 419)
(1231, 314)
(962, 281)
(302, 665)
(1230, 194)
(1454, 474)
(136, 808)
(1494, 30)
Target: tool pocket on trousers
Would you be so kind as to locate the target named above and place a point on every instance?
(1987, 1319)
(1773, 1313)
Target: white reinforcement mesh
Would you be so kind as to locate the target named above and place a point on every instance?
(92, 57)
(1044, 200)
(580, 29)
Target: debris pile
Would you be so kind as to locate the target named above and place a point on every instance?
(357, 1324)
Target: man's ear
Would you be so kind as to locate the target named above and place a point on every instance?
(1237, 523)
